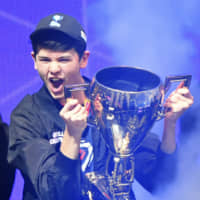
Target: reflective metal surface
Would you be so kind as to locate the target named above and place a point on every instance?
(125, 104)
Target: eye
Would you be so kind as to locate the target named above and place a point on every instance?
(44, 60)
(64, 60)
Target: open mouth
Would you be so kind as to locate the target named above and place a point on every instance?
(56, 83)
(56, 86)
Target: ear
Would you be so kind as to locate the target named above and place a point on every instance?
(34, 59)
(84, 59)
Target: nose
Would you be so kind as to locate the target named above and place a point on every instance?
(54, 67)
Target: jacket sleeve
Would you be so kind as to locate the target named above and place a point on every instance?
(7, 172)
(46, 171)
(154, 168)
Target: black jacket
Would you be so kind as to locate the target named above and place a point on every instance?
(35, 134)
(7, 172)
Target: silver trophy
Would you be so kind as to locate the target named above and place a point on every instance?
(125, 103)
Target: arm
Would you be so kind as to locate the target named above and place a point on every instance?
(179, 101)
(48, 173)
(156, 162)
(75, 117)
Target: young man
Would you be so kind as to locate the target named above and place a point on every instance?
(47, 133)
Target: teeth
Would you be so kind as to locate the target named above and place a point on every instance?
(55, 79)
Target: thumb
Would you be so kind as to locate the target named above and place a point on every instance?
(181, 85)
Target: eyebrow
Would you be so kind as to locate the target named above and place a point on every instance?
(43, 57)
(67, 56)
(61, 57)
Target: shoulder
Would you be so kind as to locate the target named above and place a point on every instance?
(25, 105)
(29, 103)
(26, 112)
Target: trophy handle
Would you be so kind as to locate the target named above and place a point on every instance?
(91, 121)
(76, 87)
(168, 81)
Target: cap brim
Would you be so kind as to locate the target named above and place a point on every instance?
(47, 31)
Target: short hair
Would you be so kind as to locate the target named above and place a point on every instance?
(56, 41)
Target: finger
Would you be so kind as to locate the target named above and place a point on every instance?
(68, 106)
(185, 92)
(181, 85)
(80, 117)
(71, 103)
(81, 112)
(177, 107)
(71, 115)
(76, 109)
(174, 107)
(178, 98)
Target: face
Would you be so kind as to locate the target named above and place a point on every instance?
(59, 68)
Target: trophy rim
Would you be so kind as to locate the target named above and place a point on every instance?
(127, 91)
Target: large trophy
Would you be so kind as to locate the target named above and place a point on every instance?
(125, 103)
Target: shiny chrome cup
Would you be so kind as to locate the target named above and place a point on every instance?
(126, 101)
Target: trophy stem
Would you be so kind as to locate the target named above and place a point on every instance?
(120, 171)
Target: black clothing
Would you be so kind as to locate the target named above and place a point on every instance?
(36, 130)
(7, 172)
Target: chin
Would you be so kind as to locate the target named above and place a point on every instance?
(57, 97)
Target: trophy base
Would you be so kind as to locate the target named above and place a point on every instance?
(108, 189)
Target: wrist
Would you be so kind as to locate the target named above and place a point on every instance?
(170, 122)
(168, 144)
(70, 146)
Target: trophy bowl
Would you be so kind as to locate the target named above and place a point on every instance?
(125, 104)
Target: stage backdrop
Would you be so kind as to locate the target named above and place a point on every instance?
(162, 36)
